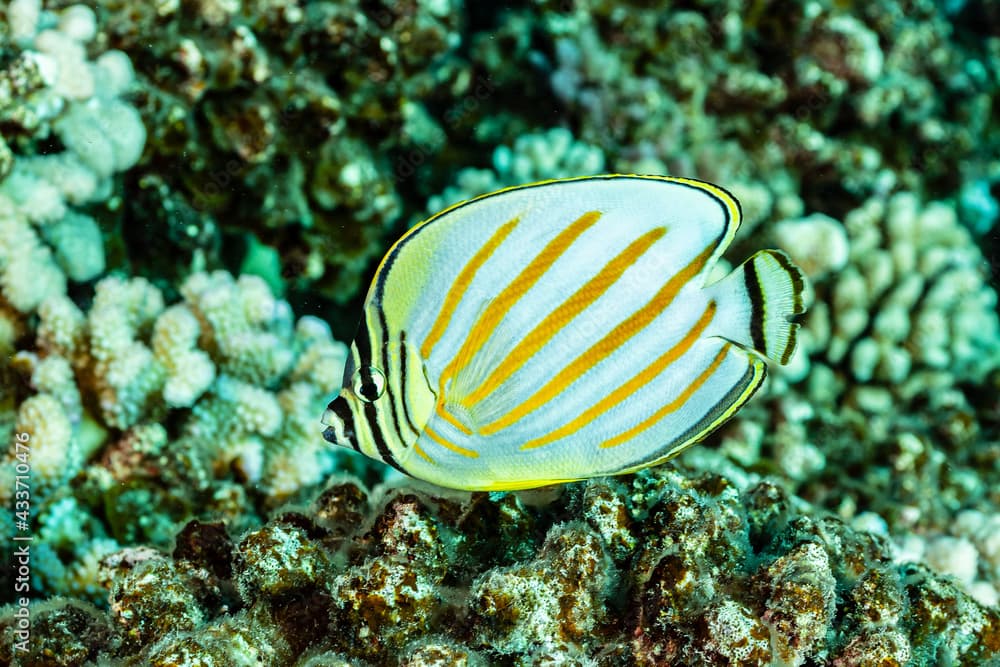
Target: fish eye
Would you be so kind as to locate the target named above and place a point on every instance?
(368, 383)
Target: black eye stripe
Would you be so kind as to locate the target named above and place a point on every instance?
(402, 382)
(368, 383)
(363, 342)
(349, 370)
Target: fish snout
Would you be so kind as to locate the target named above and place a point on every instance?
(339, 424)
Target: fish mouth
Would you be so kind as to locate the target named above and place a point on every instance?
(339, 423)
(339, 437)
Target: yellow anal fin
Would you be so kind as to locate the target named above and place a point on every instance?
(520, 485)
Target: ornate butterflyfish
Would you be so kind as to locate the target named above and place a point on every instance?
(561, 330)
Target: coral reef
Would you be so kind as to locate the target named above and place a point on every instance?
(52, 92)
(287, 124)
(191, 193)
(895, 378)
(901, 302)
(533, 157)
(804, 102)
(707, 575)
(206, 406)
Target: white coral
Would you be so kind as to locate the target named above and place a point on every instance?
(28, 274)
(60, 326)
(127, 375)
(244, 324)
(53, 452)
(80, 100)
(22, 18)
(912, 307)
(190, 371)
(818, 243)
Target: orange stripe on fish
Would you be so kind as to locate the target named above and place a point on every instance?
(433, 435)
(420, 452)
(461, 284)
(633, 385)
(604, 347)
(672, 405)
(525, 280)
(442, 412)
(561, 316)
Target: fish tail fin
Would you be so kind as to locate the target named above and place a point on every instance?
(761, 296)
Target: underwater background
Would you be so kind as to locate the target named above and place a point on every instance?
(195, 193)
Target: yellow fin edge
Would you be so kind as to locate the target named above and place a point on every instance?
(728, 200)
(526, 484)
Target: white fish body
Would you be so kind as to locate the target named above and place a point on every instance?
(559, 331)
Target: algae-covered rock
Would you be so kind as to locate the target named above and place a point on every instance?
(393, 589)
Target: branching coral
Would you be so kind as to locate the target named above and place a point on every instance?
(792, 106)
(906, 309)
(533, 157)
(901, 331)
(208, 405)
(237, 382)
(295, 121)
(53, 92)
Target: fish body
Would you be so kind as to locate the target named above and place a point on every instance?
(559, 331)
